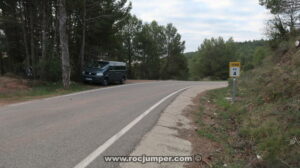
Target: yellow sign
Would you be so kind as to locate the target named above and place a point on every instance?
(235, 64)
(234, 68)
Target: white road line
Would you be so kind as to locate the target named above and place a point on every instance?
(91, 157)
(78, 93)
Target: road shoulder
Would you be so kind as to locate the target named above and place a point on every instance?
(165, 138)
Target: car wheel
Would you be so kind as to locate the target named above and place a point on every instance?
(122, 81)
(105, 82)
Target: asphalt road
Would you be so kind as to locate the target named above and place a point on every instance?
(61, 132)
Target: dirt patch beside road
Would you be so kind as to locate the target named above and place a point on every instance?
(200, 145)
(8, 84)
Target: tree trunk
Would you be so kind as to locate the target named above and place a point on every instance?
(129, 58)
(25, 36)
(82, 51)
(56, 48)
(1, 63)
(32, 47)
(44, 40)
(65, 58)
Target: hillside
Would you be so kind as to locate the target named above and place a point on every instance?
(270, 96)
(262, 128)
(190, 55)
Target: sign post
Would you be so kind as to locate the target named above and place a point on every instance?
(234, 73)
(297, 43)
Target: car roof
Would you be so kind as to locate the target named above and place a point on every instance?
(115, 63)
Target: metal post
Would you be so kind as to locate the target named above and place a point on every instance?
(234, 90)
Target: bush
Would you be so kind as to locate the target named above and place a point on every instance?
(213, 58)
(52, 69)
(267, 113)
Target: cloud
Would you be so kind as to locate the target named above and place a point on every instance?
(200, 19)
(215, 4)
(158, 10)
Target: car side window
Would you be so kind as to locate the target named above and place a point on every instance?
(117, 68)
(113, 68)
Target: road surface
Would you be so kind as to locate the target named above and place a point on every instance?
(64, 131)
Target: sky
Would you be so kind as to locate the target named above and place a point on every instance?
(199, 19)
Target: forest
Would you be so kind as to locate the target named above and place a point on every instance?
(211, 60)
(55, 39)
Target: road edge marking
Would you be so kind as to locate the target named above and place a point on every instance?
(96, 153)
(74, 94)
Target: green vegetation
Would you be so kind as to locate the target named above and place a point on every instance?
(212, 58)
(96, 29)
(265, 119)
(159, 53)
(190, 55)
(251, 53)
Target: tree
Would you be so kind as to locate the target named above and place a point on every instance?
(277, 29)
(32, 8)
(82, 50)
(259, 55)
(287, 15)
(2, 45)
(151, 48)
(105, 19)
(24, 32)
(65, 58)
(213, 58)
(129, 32)
(44, 40)
(13, 33)
(175, 64)
(38, 36)
(245, 52)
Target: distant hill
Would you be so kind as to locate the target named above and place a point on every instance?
(246, 52)
(190, 55)
(249, 53)
(247, 48)
(244, 49)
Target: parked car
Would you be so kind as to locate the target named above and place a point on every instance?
(105, 72)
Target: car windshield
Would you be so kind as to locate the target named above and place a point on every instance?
(97, 64)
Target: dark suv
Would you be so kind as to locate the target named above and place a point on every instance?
(105, 72)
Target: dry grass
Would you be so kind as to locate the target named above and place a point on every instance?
(265, 120)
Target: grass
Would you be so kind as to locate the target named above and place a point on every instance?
(207, 134)
(264, 120)
(245, 132)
